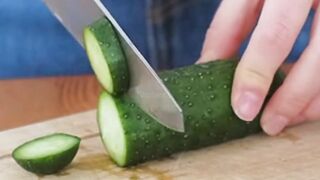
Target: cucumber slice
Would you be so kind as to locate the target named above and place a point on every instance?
(48, 154)
(106, 56)
(131, 136)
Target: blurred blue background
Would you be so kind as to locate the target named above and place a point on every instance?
(168, 33)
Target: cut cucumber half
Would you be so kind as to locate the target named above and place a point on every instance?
(48, 154)
(203, 92)
(106, 56)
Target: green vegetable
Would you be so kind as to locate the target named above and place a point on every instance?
(203, 91)
(48, 154)
(106, 56)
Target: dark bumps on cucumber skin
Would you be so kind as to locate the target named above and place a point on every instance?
(203, 92)
(48, 164)
(114, 56)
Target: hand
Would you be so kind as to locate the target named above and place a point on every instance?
(279, 23)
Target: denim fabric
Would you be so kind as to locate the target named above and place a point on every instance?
(33, 43)
(169, 33)
(179, 27)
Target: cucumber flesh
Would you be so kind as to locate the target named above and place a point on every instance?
(106, 56)
(48, 154)
(98, 62)
(114, 137)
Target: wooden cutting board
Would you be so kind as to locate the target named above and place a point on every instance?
(295, 154)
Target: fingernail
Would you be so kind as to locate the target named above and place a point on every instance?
(275, 124)
(248, 105)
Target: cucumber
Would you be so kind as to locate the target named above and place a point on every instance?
(48, 154)
(131, 136)
(106, 56)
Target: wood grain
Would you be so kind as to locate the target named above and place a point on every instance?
(295, 154)
(26, 101)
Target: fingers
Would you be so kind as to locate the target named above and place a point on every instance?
(298, 98)
(230, 26)
(271, 42)
(298, 90)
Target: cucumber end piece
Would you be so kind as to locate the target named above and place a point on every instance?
(48, 154)
(97, 60)
(112, 131)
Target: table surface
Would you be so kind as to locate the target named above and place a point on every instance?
(295, 154)
(25, 101)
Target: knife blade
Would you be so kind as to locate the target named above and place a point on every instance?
(146, 88)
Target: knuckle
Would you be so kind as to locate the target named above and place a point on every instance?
(256, 75)
(279, 35)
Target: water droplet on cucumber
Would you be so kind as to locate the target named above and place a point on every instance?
(134, 136)
(125, 116)
(142, 137)
(212, 97)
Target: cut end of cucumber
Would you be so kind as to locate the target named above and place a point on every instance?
(97, 60)
(111, 129)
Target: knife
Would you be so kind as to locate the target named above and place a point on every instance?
(146, 88)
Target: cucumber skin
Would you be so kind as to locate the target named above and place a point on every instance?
(203, 92)
(48, 165)
(111, 48)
